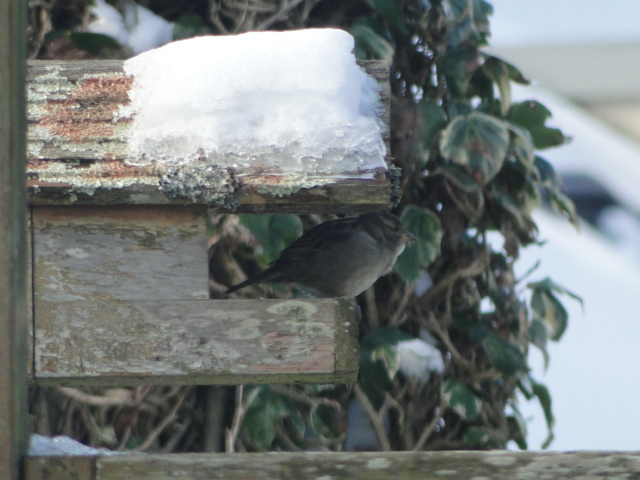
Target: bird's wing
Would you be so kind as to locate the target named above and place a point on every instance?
(318, 239)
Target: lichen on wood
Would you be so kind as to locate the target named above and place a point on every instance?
(77, 152)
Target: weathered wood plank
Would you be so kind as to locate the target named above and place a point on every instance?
(13, 259)
(468, 465)
(77, 153)
(100, 254)
(121, 298)
(60, 468)
(201, 342)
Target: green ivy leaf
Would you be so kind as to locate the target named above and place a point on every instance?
(370, 41)
(546, 307)
(502, 74)
(323, 421)
(532, 115)
(432, 119)
(517, 426)
(391, 11)
(538, 337)
(481, 12)
(505, 356)
(458, 65)
(547, 176)
(190, 25)
(477, 141)
(425, 225)
(564, 206)
(498, 72)
(461, 399)
(481, 437)
(522, 146)
(551, 182)
(512, 190)
(541, 392)
(461, 26)
(94, 43)
(460, 177)
(379, 361)
(275, 232)
(265, 410)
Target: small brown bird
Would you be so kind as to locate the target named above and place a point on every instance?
(339, 258)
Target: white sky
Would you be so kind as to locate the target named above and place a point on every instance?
(593, 376)
(550, 21)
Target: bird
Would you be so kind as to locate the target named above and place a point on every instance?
(338, 258)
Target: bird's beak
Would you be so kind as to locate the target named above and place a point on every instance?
(408, 237)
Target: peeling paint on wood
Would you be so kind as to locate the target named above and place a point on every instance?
(494, 465)
(77, 152)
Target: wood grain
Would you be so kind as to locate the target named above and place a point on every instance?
(201, 342)
(13, 258)
(467, 465)
(77, 151)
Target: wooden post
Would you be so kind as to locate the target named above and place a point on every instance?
(13, 260)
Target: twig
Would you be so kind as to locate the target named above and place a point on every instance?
(238, 414)
(433, 325)
(401, 310)
(432, 425)
(375, 417)
(173, 441)
(95, 400)
(279, 15)
(162, 425)
(372, 309)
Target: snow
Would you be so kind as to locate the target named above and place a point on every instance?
(282, 102)
(137, 28)
(418, 359)
(40, 445)
(593, 372)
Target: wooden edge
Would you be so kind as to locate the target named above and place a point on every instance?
(61, 467)
(196, 342)
(77, 151)
(347, 344)
(460, 465)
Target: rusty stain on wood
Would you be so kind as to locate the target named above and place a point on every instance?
(89, 110)
(186, 342)
(121, 297)
(77, 148)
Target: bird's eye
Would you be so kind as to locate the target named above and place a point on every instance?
(396, 229)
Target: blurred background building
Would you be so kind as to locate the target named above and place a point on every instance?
(584, 60)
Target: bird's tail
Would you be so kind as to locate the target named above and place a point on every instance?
(234, 288)
(268, 276)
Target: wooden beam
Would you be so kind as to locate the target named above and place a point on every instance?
(196, 342)
(121, 298)
(77, 153)
(468, 465)
(98, 254)
(13, 259)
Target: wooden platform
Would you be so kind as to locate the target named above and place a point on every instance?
(77, 147)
